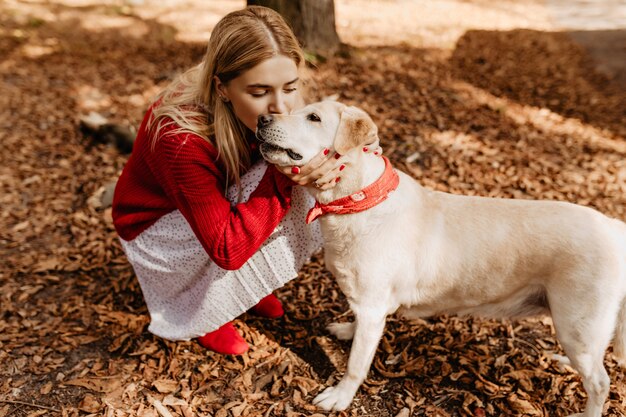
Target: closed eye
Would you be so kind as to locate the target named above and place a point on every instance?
(313, 117)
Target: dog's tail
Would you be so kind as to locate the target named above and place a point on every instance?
(619, 342)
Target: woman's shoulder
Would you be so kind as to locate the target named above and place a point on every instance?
(177, 127)
(176, 137)
(166, 140)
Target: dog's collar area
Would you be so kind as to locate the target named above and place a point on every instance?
(368, 197)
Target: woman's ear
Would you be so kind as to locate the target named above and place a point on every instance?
(356, 128)
(220, 88)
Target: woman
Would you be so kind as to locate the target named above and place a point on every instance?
(211, 229)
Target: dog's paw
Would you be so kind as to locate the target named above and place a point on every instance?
(333, 399)
(342, 331)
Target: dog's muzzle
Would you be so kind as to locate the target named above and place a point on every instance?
(264, 120)
(268, 135)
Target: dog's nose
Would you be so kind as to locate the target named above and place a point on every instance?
(264, 120)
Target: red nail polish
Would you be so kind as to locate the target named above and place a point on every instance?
(337, 179)
(295, 170)
(337, 156)
(326, 151)
(342, 167)
(365, 148)
(376, 153)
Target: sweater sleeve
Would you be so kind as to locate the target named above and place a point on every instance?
(229, 234)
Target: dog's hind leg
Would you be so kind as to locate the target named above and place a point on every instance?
(369, 326)
(585, 339)
(595, 380)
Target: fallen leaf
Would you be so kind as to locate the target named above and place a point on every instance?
(104, 385)
(165, 386)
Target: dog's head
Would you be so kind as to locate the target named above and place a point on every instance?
(293, 139)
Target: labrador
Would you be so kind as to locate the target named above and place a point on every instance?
(395, 246)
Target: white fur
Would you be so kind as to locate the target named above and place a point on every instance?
(424, 252)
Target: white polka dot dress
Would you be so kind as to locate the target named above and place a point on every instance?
(188, 295)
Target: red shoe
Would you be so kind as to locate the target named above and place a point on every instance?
(269, 307)
(225, 340)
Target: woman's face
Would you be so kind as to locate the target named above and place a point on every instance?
(271, 87)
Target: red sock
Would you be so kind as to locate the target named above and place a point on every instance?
(269, 307)
(225, 340)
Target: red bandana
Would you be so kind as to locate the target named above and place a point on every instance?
(368, 197)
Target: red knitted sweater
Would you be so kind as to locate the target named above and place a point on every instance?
(182, 172)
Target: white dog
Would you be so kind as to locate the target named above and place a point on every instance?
(394, 245)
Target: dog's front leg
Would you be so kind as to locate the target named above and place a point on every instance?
(369, 330)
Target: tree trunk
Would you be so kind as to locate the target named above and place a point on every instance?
(312, 21)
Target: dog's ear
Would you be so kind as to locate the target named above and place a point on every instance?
(356, 128)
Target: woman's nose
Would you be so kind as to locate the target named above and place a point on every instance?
(278, 104)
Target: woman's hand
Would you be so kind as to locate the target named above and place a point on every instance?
(324, 170)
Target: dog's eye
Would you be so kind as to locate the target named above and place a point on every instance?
(313, 117)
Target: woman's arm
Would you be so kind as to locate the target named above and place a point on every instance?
(229, 234)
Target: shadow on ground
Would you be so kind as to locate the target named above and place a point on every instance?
(546, 69)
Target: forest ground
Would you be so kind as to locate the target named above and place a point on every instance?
(473, 97)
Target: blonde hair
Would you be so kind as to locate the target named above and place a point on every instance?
(239, 41)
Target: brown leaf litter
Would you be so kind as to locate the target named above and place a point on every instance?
(509, 113)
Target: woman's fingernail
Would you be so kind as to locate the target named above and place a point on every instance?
(326, 151)
(342, 167)
(337, 156)
(365, 149)
(295, 170)
(376, 153)
(337, 179)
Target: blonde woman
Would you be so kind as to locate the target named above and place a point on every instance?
(209, 228)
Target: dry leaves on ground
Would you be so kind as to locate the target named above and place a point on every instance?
(507, 114)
